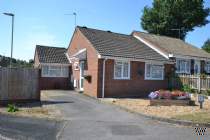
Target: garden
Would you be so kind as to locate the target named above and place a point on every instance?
(171, 104)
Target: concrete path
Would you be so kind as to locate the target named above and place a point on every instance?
(89, 119)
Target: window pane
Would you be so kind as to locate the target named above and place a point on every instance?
(208, 67)
(65, 71)
(187, 67)
(157, 71)
(125, 70)
(55, 71)
(118, 70)
(148, 70)
(45, 70)
(178, 65)
(183, 66)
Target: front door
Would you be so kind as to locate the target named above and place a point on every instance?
(82, 66)
(197, 67)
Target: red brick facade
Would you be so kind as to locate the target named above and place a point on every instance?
(46, 83)
(77, 43)
(135, 86)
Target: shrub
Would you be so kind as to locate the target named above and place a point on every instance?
(208, 92)
(186, 88)
(12, 108)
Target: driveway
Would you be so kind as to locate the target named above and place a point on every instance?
(23, 128)
(89, 119)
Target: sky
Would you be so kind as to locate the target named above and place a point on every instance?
(49, 22)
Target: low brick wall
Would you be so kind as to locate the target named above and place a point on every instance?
(163, 102)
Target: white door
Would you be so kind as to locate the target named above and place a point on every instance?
(82, 66)
(197, 67)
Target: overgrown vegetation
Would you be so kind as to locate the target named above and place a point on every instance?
(5, 62)
(12, 108)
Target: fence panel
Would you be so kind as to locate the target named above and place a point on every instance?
(194, 81)
(19, 84)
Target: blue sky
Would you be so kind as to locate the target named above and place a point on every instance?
(44, 22)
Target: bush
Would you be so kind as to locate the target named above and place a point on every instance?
(186, 88)
(12, 108)
(208, 92)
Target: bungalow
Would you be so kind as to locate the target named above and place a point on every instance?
(189, 59)
(54, 67)
(107, 64)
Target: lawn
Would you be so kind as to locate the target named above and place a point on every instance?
(43, 109)
(198, 117)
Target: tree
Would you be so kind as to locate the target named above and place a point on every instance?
(206, 46)
(174, 18)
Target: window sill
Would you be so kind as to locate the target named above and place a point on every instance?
(154, 79)
(121, 78)
(55, 76)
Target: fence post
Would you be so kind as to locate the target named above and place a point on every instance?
(199, 84)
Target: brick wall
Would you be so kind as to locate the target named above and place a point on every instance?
(46, 83)
(135, 86)
(77, 43)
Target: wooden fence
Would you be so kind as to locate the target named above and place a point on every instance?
(19, 84)
(194, 81)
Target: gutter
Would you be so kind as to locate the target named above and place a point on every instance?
(103, 80)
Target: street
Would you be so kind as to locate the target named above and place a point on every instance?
(86, 118)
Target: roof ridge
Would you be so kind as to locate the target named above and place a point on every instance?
(50, 47)
(158, 35)
(108, 31)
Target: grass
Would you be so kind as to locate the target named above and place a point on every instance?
(198, 117)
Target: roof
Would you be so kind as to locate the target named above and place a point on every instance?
(47, 54)
(172, 45)
(119, 45)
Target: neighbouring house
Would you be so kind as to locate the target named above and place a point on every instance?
(188, 58)
(107, 64)
(54, 67)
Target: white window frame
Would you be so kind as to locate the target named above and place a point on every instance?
(185, 71)
(152, 64)
(50, 67)
(207, 67)
(122, 70)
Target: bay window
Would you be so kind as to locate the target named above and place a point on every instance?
(121, 70)
(154, 71)
(183, 66)
(55, 71)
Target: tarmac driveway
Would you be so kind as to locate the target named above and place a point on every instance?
(89, 119)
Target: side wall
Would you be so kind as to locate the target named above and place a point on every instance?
(136, 86)
(77, 43)
(46, 83)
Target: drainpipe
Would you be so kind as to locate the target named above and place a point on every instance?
(103, 80)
